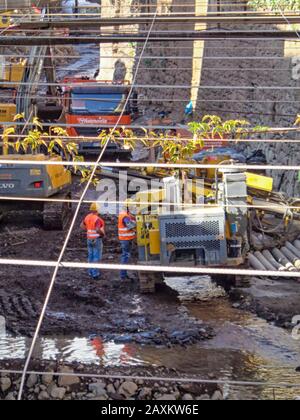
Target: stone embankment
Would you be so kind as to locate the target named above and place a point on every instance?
(72, 387)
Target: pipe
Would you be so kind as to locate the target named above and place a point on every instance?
(293, 258)
(297, 244)
(293, 249)
(281, 258)
(267, 254)
(264, 261)
(255, 263)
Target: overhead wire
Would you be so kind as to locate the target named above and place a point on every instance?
(239, 166)
(276, 130)
(227, 140)
(150, 268)
(95, 84)
(162, 204)
(160, 57)
(67, 265)
(158, 379)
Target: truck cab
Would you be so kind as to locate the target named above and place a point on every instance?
(91, 106)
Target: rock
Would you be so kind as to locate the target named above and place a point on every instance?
(100, 398)
(32, 380)
(187, 397)
(47, 379)
(117, 383)
(117, 397)
(204, 397)
(110, 389)
(58, 393)
(128, 389)
(10, 397)
(217, 396)
(167, 397)
(5, 384)
(98, 389)
(43, 396)
(64, 381)
(145, 393)
(124, 339)
(236, 306)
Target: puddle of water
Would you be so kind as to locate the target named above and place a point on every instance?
(224, 364)
(245, 348)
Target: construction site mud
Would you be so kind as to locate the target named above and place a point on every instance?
(110, 308)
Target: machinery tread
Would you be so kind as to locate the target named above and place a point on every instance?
(18, 306)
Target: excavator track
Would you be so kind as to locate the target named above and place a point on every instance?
(57, 215)
(18, 306)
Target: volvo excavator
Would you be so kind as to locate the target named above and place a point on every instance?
(19, 182)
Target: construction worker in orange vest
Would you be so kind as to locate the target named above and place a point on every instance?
(95, 229)
(127, 234)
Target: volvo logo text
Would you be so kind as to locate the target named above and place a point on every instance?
(7, 186)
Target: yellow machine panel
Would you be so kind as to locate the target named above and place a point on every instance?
(14, 72)
(154, 238)
(259, 182)
(59, 176)
(144, 224)
(5, 20)
(7, 112)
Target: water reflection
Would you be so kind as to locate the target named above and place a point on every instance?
(245, 348)
(224, 364)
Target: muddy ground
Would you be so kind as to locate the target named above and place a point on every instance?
(276, 300)
(108, 308)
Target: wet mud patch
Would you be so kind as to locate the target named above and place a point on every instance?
(275, 300)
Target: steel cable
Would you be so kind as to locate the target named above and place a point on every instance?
(58, 263)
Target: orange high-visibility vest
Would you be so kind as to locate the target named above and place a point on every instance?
(90, 222)
(125, 234)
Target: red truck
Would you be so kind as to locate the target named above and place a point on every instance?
(91, 106)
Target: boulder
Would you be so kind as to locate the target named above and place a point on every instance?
(128, 389)
(43, 396)
(47, 379)
(187, 397)
(217, 396)
(145, 393)
(32, 380)
(167, 397)
(58, 393)
(64, 381)
(10, 397)
(98, 389)
(5, 384)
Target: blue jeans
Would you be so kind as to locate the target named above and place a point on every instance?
(126, 247)
(95, 249)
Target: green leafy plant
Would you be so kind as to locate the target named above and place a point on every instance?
(275, 5)
(54, 143)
